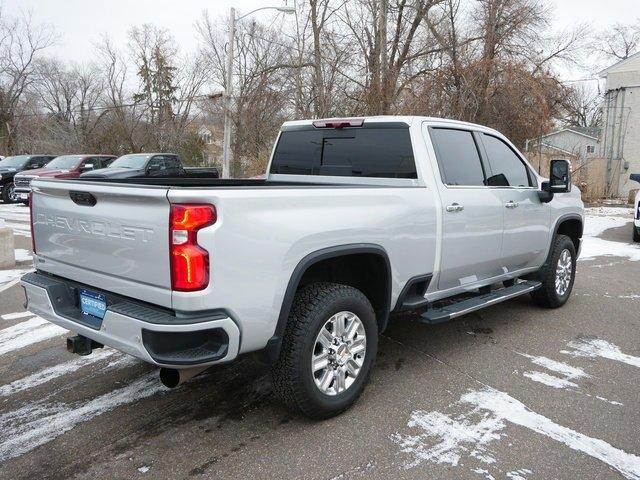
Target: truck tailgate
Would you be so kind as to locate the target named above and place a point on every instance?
(112, 237)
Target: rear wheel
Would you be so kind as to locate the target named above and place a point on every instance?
(328, 350)
(558, 275)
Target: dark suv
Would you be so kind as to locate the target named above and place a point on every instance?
(9, 166)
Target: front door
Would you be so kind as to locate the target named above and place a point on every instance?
(472, 212)
(526, 218)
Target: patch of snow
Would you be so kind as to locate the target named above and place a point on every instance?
(633, 296)
(593, 247)
(568, 371)
(519, 474)
(22, 255)
(484, 473)
(16, 315)
(37, 424)
(53, 372)
(608, 211)
(596, 347)
(10, 277)
(550, 380)
(143, 469)
(612, 402)
(506, 408)
(26, 333)
(444, 439)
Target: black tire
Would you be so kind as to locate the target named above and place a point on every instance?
(293, 379)
(547, 295)
(636, 234)
(6, 192)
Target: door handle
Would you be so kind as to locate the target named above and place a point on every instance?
(511, 204)
(455, 207)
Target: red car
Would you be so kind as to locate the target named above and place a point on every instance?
(64, 166)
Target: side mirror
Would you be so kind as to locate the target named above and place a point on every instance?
(560, 176)
(154, 167)
(87, 167)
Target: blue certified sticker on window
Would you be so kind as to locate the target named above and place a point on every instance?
(92, 303)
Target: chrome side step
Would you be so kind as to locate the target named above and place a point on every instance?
(449, 312)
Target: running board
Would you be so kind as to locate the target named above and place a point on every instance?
(449, 312)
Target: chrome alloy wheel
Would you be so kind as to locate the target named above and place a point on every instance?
(564, 271)
(338, 353)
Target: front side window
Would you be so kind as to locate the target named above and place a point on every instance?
(458, 157)
(507, 170)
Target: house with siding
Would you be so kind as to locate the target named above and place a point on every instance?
(576, 142)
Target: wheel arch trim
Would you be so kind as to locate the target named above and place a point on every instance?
(272, 349)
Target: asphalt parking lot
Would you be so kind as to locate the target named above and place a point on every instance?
(512, 392)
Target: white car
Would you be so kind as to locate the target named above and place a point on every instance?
(636, 210)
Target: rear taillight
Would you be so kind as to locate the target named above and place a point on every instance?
(33, 237)
(189, 261)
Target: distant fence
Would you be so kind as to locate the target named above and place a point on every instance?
(590, 175)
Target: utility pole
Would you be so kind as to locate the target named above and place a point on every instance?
(226, 139)
(228, 94)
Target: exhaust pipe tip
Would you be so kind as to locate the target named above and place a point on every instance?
(172, 377)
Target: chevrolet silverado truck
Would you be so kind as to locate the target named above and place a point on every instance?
(357, 219)
(64, 166)
(11, 166)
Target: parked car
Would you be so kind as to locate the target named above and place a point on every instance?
(358, 218)
(636, 210)
(137, 165)
(10, 166)
(64, 166)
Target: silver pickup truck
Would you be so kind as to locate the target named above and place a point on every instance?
(356, 220)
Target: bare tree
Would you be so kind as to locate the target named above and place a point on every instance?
(620, 41)
(21, 46)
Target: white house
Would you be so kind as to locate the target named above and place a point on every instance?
(621, 133)
(576, 142)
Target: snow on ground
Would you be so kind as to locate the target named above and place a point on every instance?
(27, 333)
(479, 419)
(22, 255)
(599, 219)
(595, 347)
(8, 278)
(40, 422)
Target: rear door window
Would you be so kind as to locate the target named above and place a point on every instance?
(351, 152)
(458, 157)
(507, 170)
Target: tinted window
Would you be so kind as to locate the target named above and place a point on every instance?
(458, 157)
(506, 167)
(355, 152)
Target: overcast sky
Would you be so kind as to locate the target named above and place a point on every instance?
(79, 23)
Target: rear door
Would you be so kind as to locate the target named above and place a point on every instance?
(526, 218)
(113, 237)
(472, 212)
